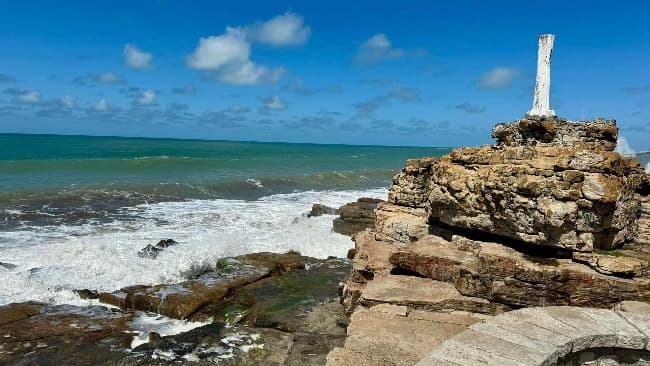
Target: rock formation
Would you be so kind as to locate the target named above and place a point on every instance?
(356, 216)
(548, 215)
(255, 309)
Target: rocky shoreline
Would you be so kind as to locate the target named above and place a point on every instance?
(548, 218)
(549, 225)
(256, 309)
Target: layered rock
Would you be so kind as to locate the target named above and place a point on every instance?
(356, 216)
(549, 215)
(542, 193)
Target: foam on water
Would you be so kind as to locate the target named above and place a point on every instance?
(52, 261)
(145, 323)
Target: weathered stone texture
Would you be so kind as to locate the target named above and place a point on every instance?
(557, 131)
(356, 216)
(558, 196)
(504, 275)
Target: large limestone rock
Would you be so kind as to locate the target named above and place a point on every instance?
(563, 188)
(504, 275)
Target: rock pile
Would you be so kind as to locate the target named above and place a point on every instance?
(549, 215)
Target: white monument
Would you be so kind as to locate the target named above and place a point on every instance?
(541, 103)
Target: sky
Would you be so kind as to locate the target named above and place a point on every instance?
(421, 73)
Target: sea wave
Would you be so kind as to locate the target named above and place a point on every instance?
(51, 261)
(80, 204)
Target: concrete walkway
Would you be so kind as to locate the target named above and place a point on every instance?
(542, 336)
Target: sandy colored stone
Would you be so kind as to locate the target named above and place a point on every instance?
(423, 293)
(503, 275)
(620, 264)
(567, 190)
(387, 338)
(400, 224)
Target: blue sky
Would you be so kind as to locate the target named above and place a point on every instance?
(424, 73)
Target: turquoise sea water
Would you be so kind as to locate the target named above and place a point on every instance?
(52, 179)
(75, 210)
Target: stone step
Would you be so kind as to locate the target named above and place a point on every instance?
(423, 293)
(343, 357)
(394, 335)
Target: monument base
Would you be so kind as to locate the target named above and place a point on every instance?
(540, 113)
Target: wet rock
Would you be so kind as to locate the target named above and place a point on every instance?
(87, 294)
(8, 266)
(277, 263)
(283, 302)
(18, 311)
(152, 251)
(356, 216)
(216, 344)
(319, 210)
(39, 334)
(180, 300)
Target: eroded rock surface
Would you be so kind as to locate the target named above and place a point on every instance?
(40, 334)
(356, 216)
(549, 215)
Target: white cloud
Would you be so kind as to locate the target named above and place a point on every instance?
(283, 30)
(108, 78)
(273, 103)
(136, 58)
(148, 97)
(102, 105)
(376, 49)
(214, 52)
(499, 78)
(237, 108)
(624, 148)
(28, 97)
(68, 101)
(227, 57)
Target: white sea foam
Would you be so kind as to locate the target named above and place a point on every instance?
(145, 323)
(647, 168)
(53, 261)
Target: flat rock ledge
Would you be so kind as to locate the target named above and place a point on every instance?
(549, 336)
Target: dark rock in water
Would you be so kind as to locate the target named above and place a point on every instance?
(152, 251)
(7, 265)
(318, 210)
(216, 344)
(166, 243)
(356, 216)
(38, 334)
(87, 294)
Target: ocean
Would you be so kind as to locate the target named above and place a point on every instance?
(75, 210)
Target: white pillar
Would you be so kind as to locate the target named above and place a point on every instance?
(541, 104)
